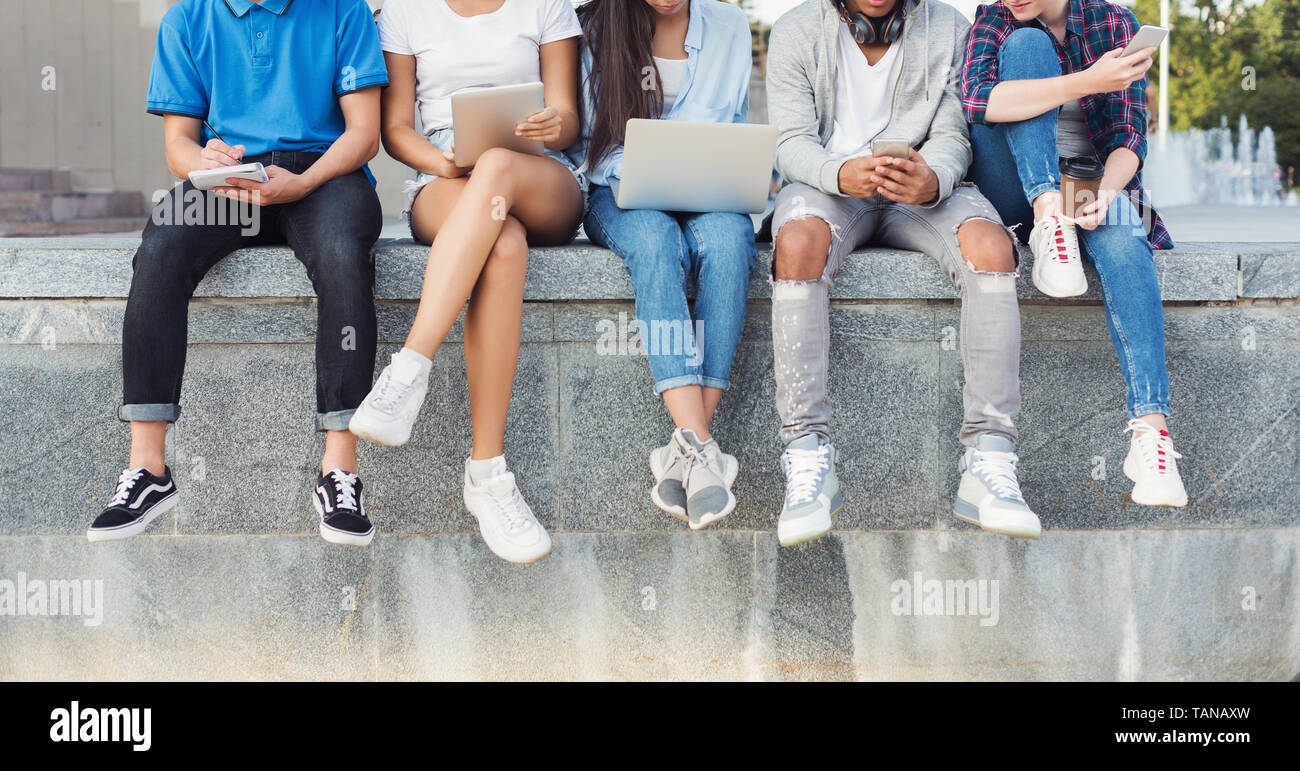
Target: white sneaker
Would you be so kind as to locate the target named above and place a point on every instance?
(1152, 464)
(388, 413)
(1058, 270)
(989, 493)
(506, 521)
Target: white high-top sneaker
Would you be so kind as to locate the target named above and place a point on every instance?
(989, 493)
(1058, 270)
(1152, 464)
(505, 519)
(388, 413)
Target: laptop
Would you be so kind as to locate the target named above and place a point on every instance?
(696, 167)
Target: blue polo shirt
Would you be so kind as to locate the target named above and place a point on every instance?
(266, 75)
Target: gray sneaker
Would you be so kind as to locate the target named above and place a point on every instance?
(708, 497)
(989, 495)
(667, 464)
(812, 490)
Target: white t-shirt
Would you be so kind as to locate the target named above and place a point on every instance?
(455, 53)
(671, 74)
(864, 95)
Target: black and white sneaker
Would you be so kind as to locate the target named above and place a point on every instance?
(342, 509)
(138, 500)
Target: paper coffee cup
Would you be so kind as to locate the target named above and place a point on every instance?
(1080, 183)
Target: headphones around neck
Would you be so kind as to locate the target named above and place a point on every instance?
(869, 30)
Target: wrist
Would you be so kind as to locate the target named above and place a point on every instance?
(1078, 85)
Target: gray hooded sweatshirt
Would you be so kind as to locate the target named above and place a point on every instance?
(926, 110)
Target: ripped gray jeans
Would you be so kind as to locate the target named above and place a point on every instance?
(989, 337)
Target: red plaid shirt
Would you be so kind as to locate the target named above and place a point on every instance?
(1117, 119)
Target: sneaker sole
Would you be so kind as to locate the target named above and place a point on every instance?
(805, 535)
(968, 512)
(372, 433)
(340, 537)
(706, 521)
(1144, 501)
(1056, 293)
(122, 532)
(526, 559)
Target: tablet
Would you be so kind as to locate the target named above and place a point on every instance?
(206, 179)
(487, 117)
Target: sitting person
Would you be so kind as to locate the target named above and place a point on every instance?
(479, 221)
(698, 52)
(1044, 80)
(840, 74)
(258, 74)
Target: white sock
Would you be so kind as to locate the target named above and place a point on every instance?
(483, 470)
(415, 357)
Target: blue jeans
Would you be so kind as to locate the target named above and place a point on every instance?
(661, 250)
(1016, 162)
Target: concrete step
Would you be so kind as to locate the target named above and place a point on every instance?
(35, 179)
(91, 225)
(1144, 604)
(46, 206)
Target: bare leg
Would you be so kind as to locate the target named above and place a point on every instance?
(711, 398)
(538, 191)
(492, 329)
(149, 446)
(340, 452)
(1047, 204)
(686, 406)
(1156, 420)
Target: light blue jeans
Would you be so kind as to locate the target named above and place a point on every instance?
(1016, 162)
(661, 251)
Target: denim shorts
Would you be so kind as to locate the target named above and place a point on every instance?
(441, 139)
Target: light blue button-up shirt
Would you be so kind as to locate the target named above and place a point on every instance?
(715, 88)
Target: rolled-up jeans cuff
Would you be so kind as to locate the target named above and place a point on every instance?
(334, 421)
(1147, 409)
(148, 413)
(676, 382)
(713, 382)
(1042, 187)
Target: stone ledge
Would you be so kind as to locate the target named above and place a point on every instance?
(1130, 605)
(98, 267)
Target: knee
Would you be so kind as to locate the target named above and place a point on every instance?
(1027, 39)
(496, 165)
(801, 249)
(508, 259)
(341, 270)
(986, 246)
(163, 254)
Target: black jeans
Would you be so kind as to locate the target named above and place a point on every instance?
(332, 232)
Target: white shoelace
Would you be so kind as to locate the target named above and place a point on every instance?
(803, 470)
(998, 469)
(124, 483)
(390, 391)
(512, 507)
(1156, 446)
(346, 485)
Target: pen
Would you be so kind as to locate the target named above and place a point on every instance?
(215, 134)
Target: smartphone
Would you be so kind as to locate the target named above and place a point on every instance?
(1148, 36)
(206, 179)
(890, 148)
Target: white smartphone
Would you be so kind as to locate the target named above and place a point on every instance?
(1148, 36)
(206, 179)
(890, 148)
(487, 117)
